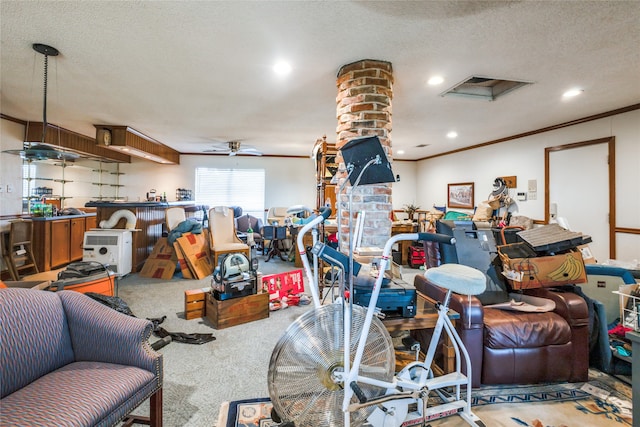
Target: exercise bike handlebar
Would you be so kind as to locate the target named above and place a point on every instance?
(429, 237)
(325, 212)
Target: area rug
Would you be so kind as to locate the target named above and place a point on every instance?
(601, 402)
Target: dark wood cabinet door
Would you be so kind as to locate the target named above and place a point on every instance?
(91, 222)
(76, 238)
(60, 232)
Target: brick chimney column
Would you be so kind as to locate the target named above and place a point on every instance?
(365, 90)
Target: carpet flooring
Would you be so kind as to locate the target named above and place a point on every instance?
(199, 378)
(550, 405)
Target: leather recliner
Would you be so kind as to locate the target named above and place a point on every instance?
(511, 347)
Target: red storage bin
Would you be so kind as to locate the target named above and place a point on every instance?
(416, 256)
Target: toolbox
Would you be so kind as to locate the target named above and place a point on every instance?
(99, 283)
(416, 256)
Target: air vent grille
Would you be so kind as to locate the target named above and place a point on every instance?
(486, 88)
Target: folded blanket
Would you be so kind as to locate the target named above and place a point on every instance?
(188, 226)
(526, 303)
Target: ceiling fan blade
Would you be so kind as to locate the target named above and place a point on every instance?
(251, 152)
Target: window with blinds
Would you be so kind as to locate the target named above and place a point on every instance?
(232, 187)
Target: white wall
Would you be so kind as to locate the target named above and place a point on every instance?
(524, 158)
(289, 181)
(11, 135)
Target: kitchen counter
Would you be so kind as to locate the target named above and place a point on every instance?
(162, 205)
(54, 218)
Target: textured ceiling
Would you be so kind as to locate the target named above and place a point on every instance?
(191, 74)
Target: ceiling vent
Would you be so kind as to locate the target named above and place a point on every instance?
(487, 88)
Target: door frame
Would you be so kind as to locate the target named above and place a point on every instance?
(611, 144)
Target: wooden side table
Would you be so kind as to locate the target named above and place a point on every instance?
(426, 318)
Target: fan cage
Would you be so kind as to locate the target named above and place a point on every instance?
(301, 386)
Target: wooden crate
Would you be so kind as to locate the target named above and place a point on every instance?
(235, 311)
(194, 303)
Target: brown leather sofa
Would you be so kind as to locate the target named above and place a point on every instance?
(510, 347)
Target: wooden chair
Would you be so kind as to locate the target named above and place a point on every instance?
(19, 252)
(222, 234)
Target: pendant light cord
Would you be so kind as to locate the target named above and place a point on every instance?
(44, 107)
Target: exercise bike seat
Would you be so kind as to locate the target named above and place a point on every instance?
(458, 278)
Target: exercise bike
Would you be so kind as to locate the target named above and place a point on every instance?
(334, 365)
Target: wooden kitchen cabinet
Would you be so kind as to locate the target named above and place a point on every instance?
(58, 241)
(59, 244)
(90, 223)
(76, 239)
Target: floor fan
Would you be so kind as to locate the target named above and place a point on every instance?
(303, 361)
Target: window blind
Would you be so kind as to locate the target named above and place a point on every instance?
(232, 187)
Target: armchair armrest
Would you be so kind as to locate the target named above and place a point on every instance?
(99, 333)
(574, 310)
(570, 306)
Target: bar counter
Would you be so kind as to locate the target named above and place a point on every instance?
(150, 219)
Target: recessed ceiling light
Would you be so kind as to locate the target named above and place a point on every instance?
(435, 80)
(452, 134)
(282, 68)
(400, 151)
(572, 92)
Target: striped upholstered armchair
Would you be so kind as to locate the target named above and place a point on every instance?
(66, 359)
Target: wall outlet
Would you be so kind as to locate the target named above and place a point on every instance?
(9, 188)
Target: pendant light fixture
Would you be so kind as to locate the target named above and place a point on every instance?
(41, 151)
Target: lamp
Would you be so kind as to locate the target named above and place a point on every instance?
(366, 157)
(39, 150)
(129, 141)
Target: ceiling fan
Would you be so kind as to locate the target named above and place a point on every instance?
(234, 147)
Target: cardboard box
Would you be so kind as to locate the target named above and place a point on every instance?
(194, 303)
(161, 264)
(236, 311)
(524, 270)
(283, 284)
(182, 262)
(195, 248)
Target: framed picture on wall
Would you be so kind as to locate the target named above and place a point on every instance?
(460, 195)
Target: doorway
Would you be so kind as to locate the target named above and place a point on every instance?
(580, 189)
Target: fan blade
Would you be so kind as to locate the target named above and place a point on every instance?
(251, 153)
